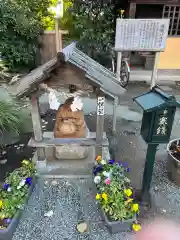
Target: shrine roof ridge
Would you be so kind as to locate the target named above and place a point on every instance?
(95, 72)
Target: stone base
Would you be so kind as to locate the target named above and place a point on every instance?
(53, 168)
(68, 151)
(67, 166)
(71, 152)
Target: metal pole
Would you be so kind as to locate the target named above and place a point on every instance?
(118, 68)
(115, 114)
(57, 35)
(154, 73)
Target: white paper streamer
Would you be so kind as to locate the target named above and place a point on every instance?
(77, 104)
(53, 101)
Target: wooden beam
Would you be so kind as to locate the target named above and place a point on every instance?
(36, 121)
(99, 124)
(53, 32)
(47, 142)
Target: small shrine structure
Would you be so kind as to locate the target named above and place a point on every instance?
(71, 68)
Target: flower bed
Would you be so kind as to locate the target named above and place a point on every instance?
(13, 195)
(114, 195)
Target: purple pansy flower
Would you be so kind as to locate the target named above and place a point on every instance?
(29, 180)
(127, 169)
(7, 220)
(111, 161)
(6, 186)
(97, 169)
(122, 164)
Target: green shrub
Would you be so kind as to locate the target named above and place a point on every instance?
(9, 117)
(19, 33)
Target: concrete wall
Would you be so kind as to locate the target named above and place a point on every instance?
(170, 58)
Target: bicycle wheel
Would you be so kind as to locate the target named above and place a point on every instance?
(124, 73)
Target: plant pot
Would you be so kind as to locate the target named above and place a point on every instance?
(7, 233)
(173, 165)
(117, 226)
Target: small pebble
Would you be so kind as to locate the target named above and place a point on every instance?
(21, 145)
(49, 214)
(155, 188)
(4, 152)
(164, 210)
(54, 183)
(46, 182)
(82, 227)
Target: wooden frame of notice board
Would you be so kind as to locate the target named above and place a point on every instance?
(141, 35)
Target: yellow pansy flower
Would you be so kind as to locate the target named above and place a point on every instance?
(135, 207)
(129, 201)
(98, 158)
(2, 216)
(98, 196)
(122, 11)
(136, 227)
(2, 227)
(104, 196)
(25, 162)
(128, 192)
(1, 203)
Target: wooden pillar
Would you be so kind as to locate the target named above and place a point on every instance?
(132, 10)
(36, 121)
(99, 123)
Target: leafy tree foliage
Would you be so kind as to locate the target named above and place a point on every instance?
(39, 8)
(94, 24)
(20, 25)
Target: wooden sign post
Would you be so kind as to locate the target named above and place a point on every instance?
(99, 124)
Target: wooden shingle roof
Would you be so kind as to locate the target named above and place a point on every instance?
(99, 75)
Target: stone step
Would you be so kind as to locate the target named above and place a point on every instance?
(67, 167)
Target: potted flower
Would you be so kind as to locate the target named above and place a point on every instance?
(14, 194)
(115, 196)
(173, 149)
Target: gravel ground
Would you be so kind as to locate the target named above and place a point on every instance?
(72, 202)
